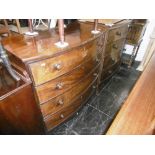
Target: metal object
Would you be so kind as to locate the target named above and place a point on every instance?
(57, 66)
(60, 102)
(59, 86)
(6, 63)
(62, 116)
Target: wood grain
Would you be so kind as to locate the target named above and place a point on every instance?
(53, 105)
(46, 70)
(19, 113)
(54, 120)
(49, 90)
(137, 116)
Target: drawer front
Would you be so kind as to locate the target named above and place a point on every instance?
(114, 48)
(106, 73)
(65, 99)
(117, 33)
(49, 69)
(57, 118)
(61, 84)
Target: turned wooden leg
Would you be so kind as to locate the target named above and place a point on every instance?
(18, 26)
(132, 56)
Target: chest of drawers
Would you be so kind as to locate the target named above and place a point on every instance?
(63, 79)
(116, 36)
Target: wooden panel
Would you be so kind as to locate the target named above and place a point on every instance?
(19, 113)
(137, 116)
(63, 83)
(114, 47)
(49, 69)
(108, 72)
(118, 33)
(62, 100)
(66, 112)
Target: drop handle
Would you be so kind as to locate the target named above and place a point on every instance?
(118, 33)
(57, 66)
(60, 102)
(62, 116)
(59, 86)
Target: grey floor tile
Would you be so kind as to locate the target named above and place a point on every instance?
(106, 102)
(92, 122)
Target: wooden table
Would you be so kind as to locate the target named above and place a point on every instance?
(137, 116)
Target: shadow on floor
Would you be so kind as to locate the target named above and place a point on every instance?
(97, 115)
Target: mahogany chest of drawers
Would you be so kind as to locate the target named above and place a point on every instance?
(63, 79)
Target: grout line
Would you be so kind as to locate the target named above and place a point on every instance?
(99, 110)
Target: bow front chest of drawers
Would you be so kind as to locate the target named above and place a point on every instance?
(64, 78)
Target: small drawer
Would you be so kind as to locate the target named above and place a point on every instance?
(61, 84)
(63, 100)
(114, 47)
(46, 70)
(117, 33)
(52, 121)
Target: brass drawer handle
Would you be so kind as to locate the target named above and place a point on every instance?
(62, 116)
(57, 66)
(60, 102)
(59, 86)
(115, 46)
(118, 33)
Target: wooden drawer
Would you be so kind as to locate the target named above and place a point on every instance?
(53, 120)
(63, 100)
(51, 68)
(117, 33)
(61, 84)
(114, 47)
(106, 73)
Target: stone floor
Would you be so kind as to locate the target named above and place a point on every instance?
(96, 116)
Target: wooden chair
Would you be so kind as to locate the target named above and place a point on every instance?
(4, 29)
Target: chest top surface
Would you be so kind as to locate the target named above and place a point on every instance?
(29, 48)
